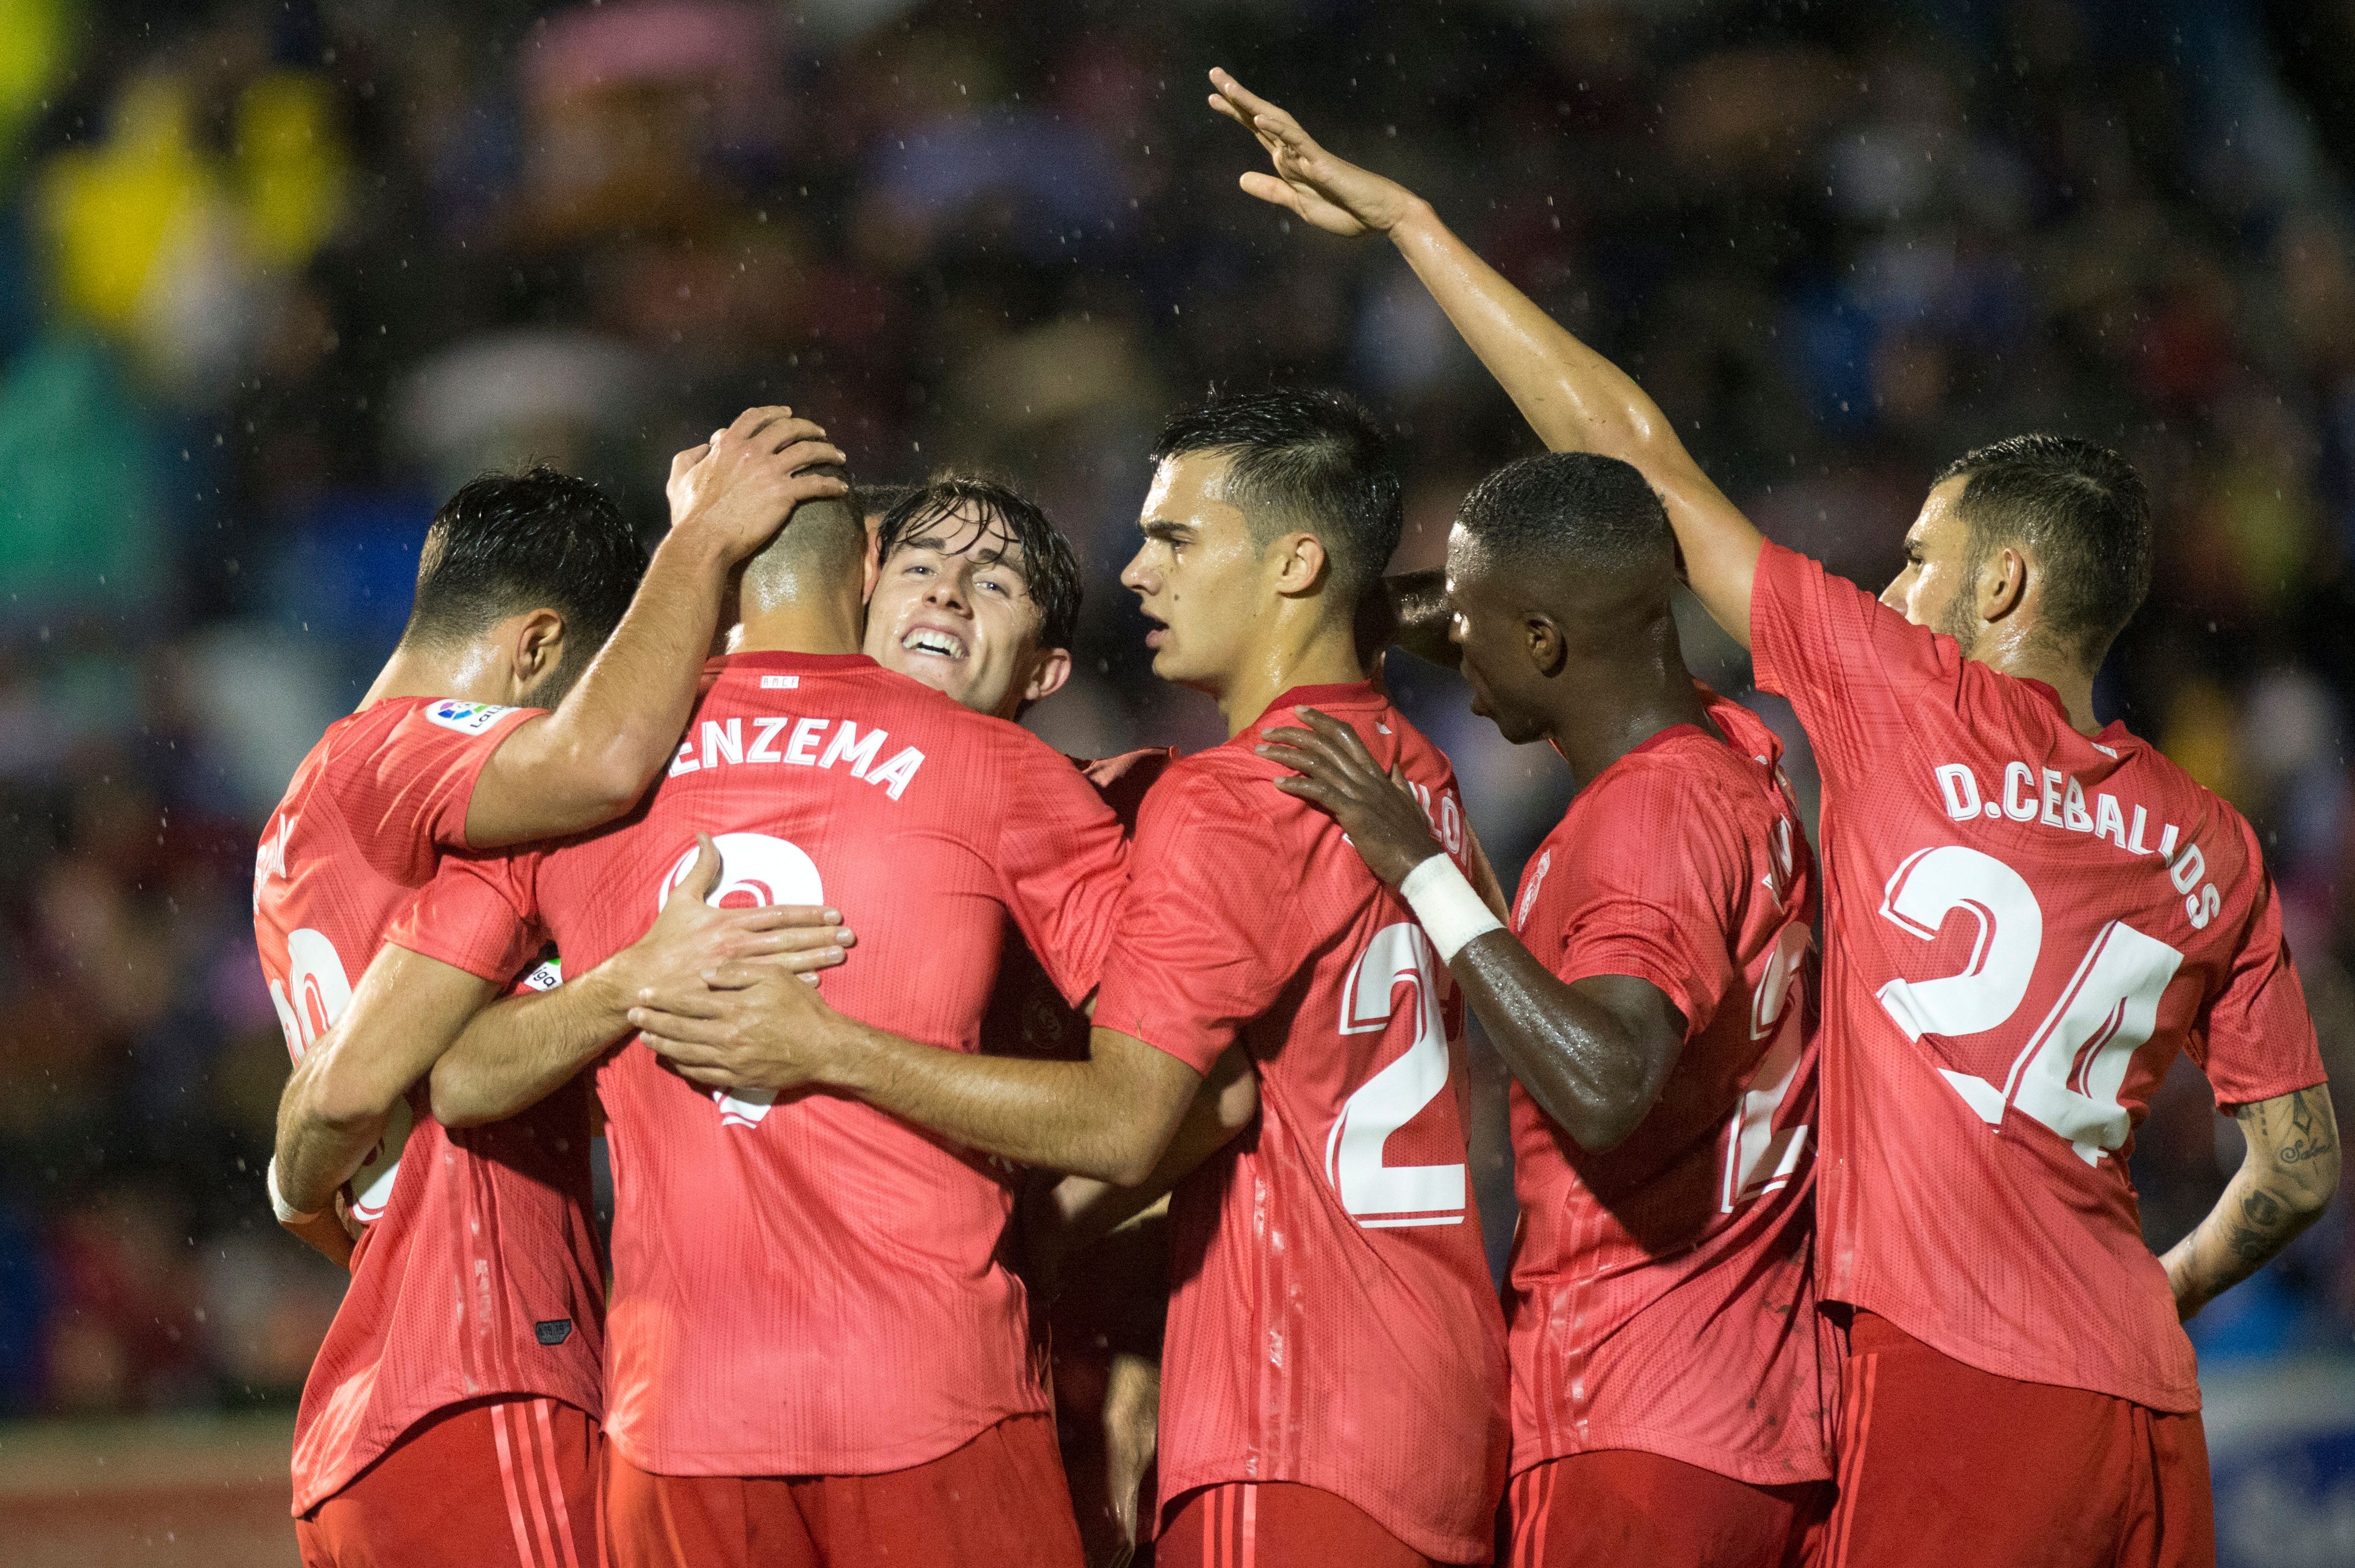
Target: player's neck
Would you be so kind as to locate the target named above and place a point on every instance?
(832, 627)
(2025, 658)
(1324, 656)
(471, 672)
(1610, 714)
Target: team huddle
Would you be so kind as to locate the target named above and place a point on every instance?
(923, 1052)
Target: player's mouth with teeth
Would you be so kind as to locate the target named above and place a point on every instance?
(934, 641)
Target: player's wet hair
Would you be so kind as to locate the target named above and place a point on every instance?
(821, 549)
(1049, 570)
(507, 543)
(2081, 509)
(1303, 459)
(1572, 516)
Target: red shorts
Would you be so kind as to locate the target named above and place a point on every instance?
(508, 1482)
(1276, 1524)
(1622, 1507)
(999, 1498)
(1934, 1454)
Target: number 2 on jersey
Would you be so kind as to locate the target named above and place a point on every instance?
(2068, 1075)
(1380, 1196)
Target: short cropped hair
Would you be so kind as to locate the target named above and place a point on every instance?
(1302, 459)
(876, 500)
(1572, 511)
(1050, 570)
(507, 543)
(2082, 508)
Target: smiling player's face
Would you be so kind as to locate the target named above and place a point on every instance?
(953, 609)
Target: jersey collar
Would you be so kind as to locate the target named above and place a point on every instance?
(2112, 735)
(779, 658)
(1320, 696)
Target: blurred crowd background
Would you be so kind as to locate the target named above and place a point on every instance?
(275, 277)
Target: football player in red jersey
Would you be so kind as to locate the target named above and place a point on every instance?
(1334, 1360)
(2028, 915)
(521, 579)
(815, 1352)
(1654, 996)
(978, 595)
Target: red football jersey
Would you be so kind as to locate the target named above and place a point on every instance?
(1028, 1015)
(480, 1272)
(1331, 1318)
(2025, 926)
(1663, 1293)
(806, 1285)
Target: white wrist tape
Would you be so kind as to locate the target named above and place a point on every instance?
(287, 1214)
(1451, 913)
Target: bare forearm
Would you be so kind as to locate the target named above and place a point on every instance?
(590, 760)
(1577, 1057)
(1082, 1210)
(1059, 1115)
(2285, 1180)
(319, 1147)
(516, 1052)
(1577, 400)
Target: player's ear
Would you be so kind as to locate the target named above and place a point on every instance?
(2002, 584)
(1301, 562)
(535, 647)
(1048, 674)
(1542, 640)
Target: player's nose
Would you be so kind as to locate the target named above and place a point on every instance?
(946, 591)
(1137, 580)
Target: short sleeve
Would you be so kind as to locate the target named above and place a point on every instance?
(1850, 666)
(1062, 858)
(479, 913)
(419, 784)
(2256, 1038)
(1650, 886)
(1194, 960)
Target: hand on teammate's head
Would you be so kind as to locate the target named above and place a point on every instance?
(737, 489)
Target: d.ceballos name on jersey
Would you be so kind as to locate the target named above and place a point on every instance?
(2055, 799)
(784, 741)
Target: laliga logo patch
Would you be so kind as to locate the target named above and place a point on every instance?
(467, 717)
(755, 871)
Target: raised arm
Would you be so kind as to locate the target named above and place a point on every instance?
(1111, 1117)
(1573, 398)
(2288, 1174)
(588, 760)
(1592, 1051)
